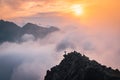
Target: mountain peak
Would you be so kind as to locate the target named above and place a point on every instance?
(31, 25)
(11, 32)
(1, 20)
(4, 23)
(75, 66)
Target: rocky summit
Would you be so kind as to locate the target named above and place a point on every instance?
(75, 66)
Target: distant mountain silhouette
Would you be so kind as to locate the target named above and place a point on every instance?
(37, 31)
(75, 66)
(11, 32)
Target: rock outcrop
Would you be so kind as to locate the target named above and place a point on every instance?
(75, 66)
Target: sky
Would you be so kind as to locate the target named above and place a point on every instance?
(91, 27)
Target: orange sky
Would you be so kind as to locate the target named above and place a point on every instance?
(21, 8)
(101, 18)
(96, 13)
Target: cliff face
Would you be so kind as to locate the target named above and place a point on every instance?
(75, 66)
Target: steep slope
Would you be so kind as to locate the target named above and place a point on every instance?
(74, 66)
(11, 32)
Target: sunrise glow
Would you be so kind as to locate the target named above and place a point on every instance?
(77, 9)
(81, 37)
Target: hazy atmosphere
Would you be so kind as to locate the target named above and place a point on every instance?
(91, 27)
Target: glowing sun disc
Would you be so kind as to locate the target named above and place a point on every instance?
(77, 9)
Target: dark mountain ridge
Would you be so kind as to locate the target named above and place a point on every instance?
(37, 31)
(75, 66)
(11, 32)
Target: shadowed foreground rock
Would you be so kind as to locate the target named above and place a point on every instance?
(74, 66)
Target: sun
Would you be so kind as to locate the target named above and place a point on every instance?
(77, 9)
